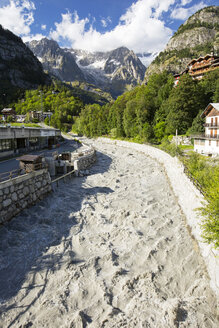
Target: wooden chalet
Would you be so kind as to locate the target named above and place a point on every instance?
(197, 68)
(202, 65)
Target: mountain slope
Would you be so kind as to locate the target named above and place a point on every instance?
(19, 68)
(55, 60)
(114, 71)
(196, 37)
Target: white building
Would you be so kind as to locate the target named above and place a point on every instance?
(209, 142)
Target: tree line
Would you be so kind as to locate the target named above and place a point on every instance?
(152, 112)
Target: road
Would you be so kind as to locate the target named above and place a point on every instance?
(13, 164)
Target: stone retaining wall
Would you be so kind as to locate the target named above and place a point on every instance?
(189, 198)
(22, 192)
(83, 162)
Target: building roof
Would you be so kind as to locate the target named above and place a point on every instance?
(202, 58)
(6, 110)
(29, 158)
(209, 108)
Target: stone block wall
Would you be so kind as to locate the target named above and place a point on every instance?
(83, 162)
(22, 192)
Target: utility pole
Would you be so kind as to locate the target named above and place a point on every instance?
(41, 96)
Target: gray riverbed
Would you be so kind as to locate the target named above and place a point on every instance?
(108, 250)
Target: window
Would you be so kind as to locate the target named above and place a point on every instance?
(5, 144)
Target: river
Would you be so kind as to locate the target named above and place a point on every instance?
(111, 249)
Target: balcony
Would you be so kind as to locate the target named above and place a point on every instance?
(202, 71)
(211, 125)
(206, 136)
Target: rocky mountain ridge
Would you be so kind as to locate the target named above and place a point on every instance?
(19, 68)
(114, 71)
(56, 60)
(198, 36)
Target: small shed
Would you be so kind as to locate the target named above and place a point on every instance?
(65, 156)
(30, 163)
(8, 112)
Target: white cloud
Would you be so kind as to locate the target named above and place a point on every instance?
(31, 37)
(185, 2)
(106, 21)
(184, 13)
(17, 16)
(140, 29)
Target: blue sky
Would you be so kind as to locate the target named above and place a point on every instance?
(99, 25)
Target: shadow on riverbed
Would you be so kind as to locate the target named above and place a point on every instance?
(25, 241)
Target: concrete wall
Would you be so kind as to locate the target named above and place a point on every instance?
(6, 153)
(22, 192)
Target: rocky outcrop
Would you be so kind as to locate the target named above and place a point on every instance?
(18, 65)
(191, 38)
(55, 60)
(198, 36)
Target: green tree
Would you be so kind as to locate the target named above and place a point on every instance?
(216, 92)
(159, 130)
(197, 124)
(183, 105)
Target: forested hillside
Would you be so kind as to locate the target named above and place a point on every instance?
(62, 103)
(151, 112)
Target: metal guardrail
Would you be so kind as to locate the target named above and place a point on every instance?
(62, 177)
(10, 174)
(193, 180)
(212, 125)
(205, 136)
(28, 169)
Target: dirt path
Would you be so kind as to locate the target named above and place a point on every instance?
(108, 250)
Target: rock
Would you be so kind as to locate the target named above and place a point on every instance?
(7, 202)
(26, 191)
(6, 191)
(38, 185)
(21, 195)
(14, 197)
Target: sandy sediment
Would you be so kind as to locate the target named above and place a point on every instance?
(108, 250)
